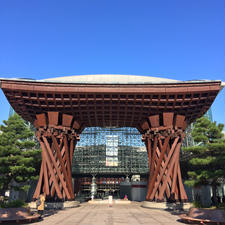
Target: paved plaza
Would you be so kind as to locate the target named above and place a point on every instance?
(88, 214)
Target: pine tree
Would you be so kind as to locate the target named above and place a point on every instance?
(206, 159)
(19, 154)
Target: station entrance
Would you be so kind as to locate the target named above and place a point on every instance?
(110, 161)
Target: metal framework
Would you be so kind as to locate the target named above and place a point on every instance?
(160, 111)
(130, 156)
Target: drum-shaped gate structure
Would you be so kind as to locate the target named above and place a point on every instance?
(161, 109)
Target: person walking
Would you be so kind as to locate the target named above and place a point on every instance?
(41, 204)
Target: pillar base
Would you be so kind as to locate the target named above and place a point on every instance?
(180, 206)
(56, 205)
(62, 205)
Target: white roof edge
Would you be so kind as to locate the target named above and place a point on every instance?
(110, 79)
(130, 79)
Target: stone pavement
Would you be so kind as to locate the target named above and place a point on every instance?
(88, 214)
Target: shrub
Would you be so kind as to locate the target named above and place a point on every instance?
(13, 204)
(197, 204)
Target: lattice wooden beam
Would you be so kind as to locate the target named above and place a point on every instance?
(110, 105)
(163, 136)
(57, 134)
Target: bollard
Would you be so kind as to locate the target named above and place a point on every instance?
(110, 200)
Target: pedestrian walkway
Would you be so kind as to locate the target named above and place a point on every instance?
(132, 214)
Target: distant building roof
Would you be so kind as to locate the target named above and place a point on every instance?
(110, 79)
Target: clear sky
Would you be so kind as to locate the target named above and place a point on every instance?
(175, 39)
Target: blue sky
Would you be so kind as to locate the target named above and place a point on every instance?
(175, 39)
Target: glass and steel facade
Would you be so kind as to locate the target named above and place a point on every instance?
(110, 150)
(188, 140)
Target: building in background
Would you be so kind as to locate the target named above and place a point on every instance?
(11, 111)
(188, 140)
(110, 154)
(209, 114)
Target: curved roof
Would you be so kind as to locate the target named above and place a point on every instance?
(113, 79)
(110, 79)
(110, 100)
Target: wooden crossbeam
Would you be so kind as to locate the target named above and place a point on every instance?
(53, 118)
(57, 146)
(157, 168)
(68, 166)
(46, 184)
(59, 174)
(39, 184)
(154, 121)
(168, 119)
(145, 125)
(67, 120)
(71, 150)
(149, 152)
(76, 125)
(154, 155)
(162, 172)
(181, 186)
(163, 141)
(68, 187)
(41, 120)
(179, 123)
(48, 160)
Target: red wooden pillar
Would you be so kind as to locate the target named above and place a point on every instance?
(57, 134)
(163, 136)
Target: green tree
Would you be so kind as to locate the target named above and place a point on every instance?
(206, 159)
(19, 154)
